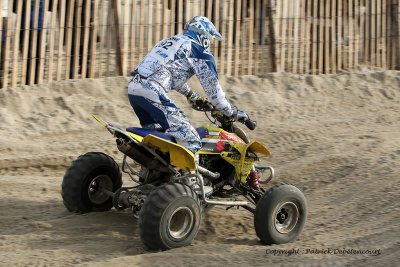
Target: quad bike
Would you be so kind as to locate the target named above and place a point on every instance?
(172, 188)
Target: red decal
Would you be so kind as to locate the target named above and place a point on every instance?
(231, 137)
(220, 146)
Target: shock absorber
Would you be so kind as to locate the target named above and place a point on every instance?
(255, 181)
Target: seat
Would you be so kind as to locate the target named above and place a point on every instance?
(144, 132)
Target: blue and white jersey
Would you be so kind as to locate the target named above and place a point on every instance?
(172, 62)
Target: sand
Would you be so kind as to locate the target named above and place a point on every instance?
(336, 137)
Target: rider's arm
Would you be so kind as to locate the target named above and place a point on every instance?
(184, 89)
(206, 71)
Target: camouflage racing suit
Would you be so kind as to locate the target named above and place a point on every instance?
(168, 66)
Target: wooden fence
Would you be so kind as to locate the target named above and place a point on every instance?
(51, 40)
(331, 35)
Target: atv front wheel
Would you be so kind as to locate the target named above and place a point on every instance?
(84, 181)
(170, 217)
(280, 214)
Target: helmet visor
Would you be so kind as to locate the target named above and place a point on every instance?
(218, 36)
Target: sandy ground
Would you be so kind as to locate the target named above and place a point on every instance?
(336, 137)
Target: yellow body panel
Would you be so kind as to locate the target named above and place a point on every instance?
(211, 128)
(242, 164)
(180, 156)
(258, 148)
(100, 120)
(137, 137)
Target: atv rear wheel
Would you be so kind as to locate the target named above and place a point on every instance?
(280, 214)
(170, 217)
(84, 181)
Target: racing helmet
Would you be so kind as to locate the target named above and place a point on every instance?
(202, 30)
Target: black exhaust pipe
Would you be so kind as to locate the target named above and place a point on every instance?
(141, 155)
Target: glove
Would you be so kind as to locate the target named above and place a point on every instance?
(237, 115)
(196, 100)
(241, 116)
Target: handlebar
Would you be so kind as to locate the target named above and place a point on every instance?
(208, 106)
(250, 124)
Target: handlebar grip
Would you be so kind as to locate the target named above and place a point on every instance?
(250, 124)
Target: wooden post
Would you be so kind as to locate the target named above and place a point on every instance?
(7, 45)
(94, 41)
(60, 46)
(103, 23)
(396, 46)
(158, 13)
(54, 14)
(243, 37)
(176, 24)
(141, 30)
(362, 30)
(302, 35)
(173, 15)
(367, 52)
(334, 37)
(351, 34)
(373, 32)
(133, 53)
(290, 36)
(284, 44)
(384, 50)
(230, 40)
(25, 41)
(149, 25)
(42, 44)
(15, 69)
(272, 39)
(308, 36)
(165, 19)
(237, 38)
(217, 25)
(257, 33)
(327, 36)
(264, 49)
(223, 31)
(209, 10)
(321, 24)
(339, 34)
(118, 56)
(77, 42)
(296, 34)
(85, 48)
(314, 37)
(70, 16)
(125, 47)
(194, 8)
(33, 46)
(251, 39)
(390, 44)
(345, 34)
(110, 18)
(187, 11)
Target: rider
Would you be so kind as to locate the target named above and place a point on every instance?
(168, 66)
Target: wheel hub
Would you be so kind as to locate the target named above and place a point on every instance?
(180, 222)
(286, 217)
(95, 193)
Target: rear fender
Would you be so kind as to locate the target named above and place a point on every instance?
(114, 130)
(180, 156)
